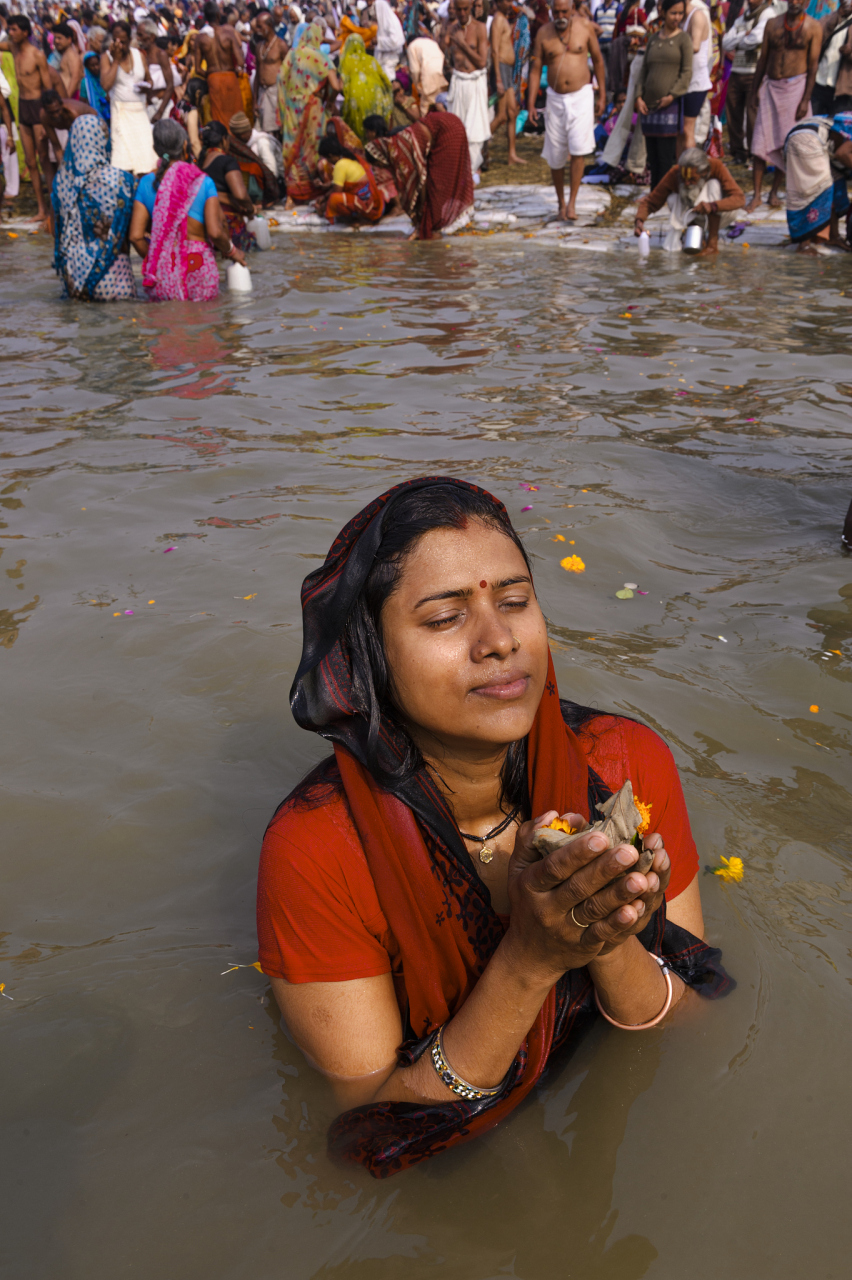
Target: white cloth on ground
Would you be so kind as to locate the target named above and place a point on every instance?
(569, 126)
(468, 99)
(132, 138)
(682, 213)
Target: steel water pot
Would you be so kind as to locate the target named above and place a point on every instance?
(693, 238)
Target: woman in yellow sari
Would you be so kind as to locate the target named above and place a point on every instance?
(306, 77)
(366, 89)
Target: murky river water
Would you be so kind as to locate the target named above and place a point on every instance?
(169, 475)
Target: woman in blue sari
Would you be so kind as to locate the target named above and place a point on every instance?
(92, 204)
(91, 90)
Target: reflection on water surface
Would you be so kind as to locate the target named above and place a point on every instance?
(168, 478)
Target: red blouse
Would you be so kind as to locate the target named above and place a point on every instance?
(318, 916)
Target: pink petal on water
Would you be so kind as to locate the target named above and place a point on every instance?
(128, 611)
(168, 549)
(642, 593)
(526, 508)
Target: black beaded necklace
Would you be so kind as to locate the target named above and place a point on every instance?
(486, 854)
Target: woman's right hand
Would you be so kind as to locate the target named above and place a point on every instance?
(542, 891)
(237, 255)
(641, 106)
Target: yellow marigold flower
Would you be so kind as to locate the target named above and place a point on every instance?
(573, 564)
(559, 824)
(645, 810)
(732, 871)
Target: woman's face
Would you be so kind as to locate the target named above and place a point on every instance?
(674, 18)
(465, 640)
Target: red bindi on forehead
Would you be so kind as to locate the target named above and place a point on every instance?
(483, 583)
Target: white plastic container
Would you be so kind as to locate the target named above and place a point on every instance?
(644, 244)
(239, 278)
(259, 228)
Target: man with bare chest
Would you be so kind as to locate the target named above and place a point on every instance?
(223, 54)
(269, 51)
(564, 46)
(160, 71)
(783, 84)
(503, 58)
(33, 76)
(466, 47)
(57, 116)
(71, 64)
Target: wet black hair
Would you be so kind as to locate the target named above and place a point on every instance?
(211, 13)
(48, 96)
(213, 136)
(121, 26)
(665, 5)
(22, 22)
(377, 125)
(63, 29)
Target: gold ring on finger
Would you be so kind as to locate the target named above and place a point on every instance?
(577, 922)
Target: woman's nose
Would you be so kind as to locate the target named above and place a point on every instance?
(494, 639)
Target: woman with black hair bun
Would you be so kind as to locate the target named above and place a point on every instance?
(426, 958)
(353, 194)
(227, 177)
(177, 222)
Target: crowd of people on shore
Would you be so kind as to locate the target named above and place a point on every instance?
(170, 129)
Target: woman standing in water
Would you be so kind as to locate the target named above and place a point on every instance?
(177, 222)
(92, 204)
(423, 956)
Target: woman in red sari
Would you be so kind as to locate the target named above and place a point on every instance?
(354, 194)
(423, 956)
(429, 163)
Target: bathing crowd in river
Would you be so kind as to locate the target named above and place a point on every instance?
(171, 129)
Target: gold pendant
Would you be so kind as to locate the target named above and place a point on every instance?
(486, 854)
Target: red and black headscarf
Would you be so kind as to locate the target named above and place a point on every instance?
(435, 904)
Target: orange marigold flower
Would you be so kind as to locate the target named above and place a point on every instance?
(645, 810)
(559, 824)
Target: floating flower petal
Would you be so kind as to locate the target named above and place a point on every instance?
(732, 871)
(573, 564)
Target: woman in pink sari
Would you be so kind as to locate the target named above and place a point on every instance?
(177, 222)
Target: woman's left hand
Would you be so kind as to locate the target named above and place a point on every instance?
(658, 876)
(665, 102)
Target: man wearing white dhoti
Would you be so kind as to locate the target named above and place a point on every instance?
(466, 45)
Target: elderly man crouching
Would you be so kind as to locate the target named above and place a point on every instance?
(694, 187)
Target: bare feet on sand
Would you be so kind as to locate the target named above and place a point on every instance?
(775, 201)
(709, 251)
(755, 203)
(516, 160)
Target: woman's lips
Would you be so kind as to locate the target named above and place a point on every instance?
(510, 685)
